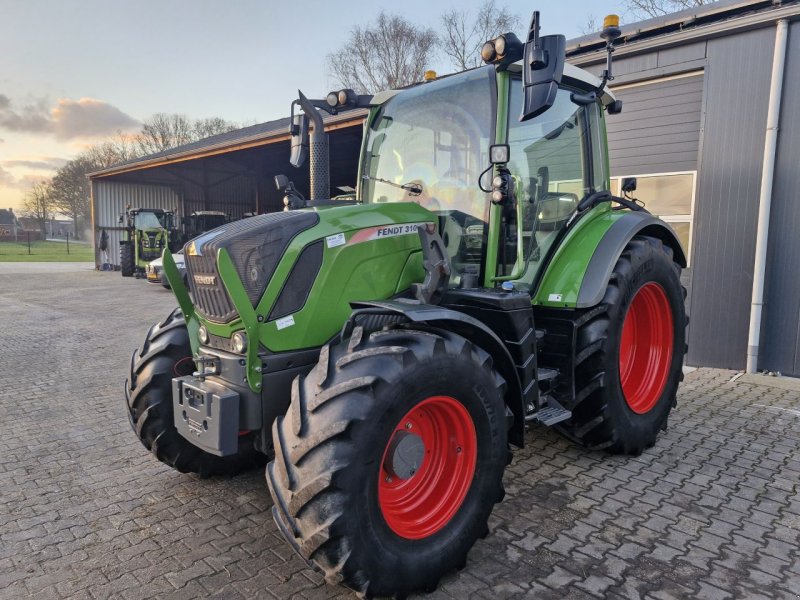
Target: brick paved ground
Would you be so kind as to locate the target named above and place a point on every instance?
(712, 511)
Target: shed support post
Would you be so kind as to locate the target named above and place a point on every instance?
(765, 197)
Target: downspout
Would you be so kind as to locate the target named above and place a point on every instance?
(765, 197)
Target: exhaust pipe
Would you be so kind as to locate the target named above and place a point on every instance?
(319, 163)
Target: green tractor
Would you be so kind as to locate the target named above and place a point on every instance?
(148, 234)
(385, 354)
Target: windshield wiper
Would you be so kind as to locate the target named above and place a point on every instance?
(414, 189)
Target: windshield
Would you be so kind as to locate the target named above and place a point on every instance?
(429, 145)
(147, 220)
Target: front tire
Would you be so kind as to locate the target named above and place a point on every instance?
(356, 493)
(127, 264)
(165, 354)
(629, 354)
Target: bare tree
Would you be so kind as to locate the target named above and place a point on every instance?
(592, 25)
(647, 9)
(390, 53)
(464, 35)
(70, 191)
(120, 148)
(203, 128)
(162, 131)
(38, 204)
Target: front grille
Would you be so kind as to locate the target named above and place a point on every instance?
(211, 299)
(255, 245)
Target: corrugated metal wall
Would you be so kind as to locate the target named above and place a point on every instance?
(658, 130)
(110, 200)
(737, 88)
(234, 196)
(780, 336)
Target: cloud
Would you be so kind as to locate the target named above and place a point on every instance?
(45, 163)
(88, 117)
(6, 178)
(33, 118)
(69, 119)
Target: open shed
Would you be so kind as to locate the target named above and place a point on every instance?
(232, 172)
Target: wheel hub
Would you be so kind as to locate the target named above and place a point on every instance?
(645, 353)
(427, 467)
(404, 455)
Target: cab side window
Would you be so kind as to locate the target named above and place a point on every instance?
(548, 154)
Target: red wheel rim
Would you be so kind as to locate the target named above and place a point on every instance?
(645, 352)
(424, 503)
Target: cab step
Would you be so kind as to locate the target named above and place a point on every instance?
(550, 413)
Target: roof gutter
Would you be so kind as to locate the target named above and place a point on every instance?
(765, 197)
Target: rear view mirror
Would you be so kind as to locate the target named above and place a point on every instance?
(543, 66)
(628, 184)
(299, 131)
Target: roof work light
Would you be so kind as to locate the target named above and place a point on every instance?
(502, 50)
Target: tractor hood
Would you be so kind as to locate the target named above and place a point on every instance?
(255, 246)
(277, 256)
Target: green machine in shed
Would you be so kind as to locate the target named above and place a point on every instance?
(383, 355)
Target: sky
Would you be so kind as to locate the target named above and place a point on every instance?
(74, 72)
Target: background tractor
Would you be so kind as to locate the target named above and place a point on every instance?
(147, 235)
(385, 354)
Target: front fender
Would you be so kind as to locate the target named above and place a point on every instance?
(477, 333)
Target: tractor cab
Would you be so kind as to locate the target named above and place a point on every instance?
(431, 145)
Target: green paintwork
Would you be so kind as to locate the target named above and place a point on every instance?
(495, 212)
(565, 273)
(182, 295)
(519, 264)
(372, 269)
(369, 270)
(247, 315)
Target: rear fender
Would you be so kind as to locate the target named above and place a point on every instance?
(608, 251)
(578, 274)
(473, 330)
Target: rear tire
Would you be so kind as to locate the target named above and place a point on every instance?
(148, 393)
(629, 360)
(126, 260)
(335, 501)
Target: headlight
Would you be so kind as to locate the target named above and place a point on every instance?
(500, 45)
(145, 242)
(239, 342)
(488, 52)
(202, 333)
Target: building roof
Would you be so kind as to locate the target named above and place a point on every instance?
(247, 137)
(7, 217)
(716, 18)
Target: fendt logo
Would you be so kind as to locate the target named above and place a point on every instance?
(205, 279)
